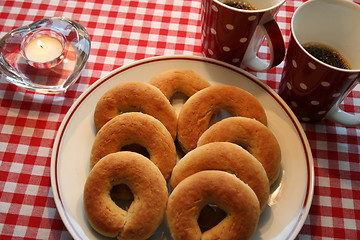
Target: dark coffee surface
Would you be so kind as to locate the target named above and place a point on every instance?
(240, 4)
(327, 55)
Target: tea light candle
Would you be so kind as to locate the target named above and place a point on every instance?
(43, 49)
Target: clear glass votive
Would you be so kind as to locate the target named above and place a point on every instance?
(46, 56)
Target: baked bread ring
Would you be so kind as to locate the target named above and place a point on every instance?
(136, 128)
(227, 157)
(135, 97)
(178, 80)
(252, 135)
(145, 180)
(212, 186)
(196, 114)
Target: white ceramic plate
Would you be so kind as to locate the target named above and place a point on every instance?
(290, 197)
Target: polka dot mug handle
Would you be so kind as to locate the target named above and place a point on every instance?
(275, 39)
(337, 115)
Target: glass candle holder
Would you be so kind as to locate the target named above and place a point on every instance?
(46, 56)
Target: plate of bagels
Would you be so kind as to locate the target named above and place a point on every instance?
(181, 147)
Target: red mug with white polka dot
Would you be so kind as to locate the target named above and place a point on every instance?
(233, 33)
(312, 83)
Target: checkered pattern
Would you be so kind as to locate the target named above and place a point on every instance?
(122, 32)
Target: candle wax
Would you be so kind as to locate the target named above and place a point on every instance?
(43, 49)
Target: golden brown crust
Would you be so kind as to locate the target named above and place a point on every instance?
(135, 97)
(224, 156)
(179, 80)
(253, 136)
(136, 128)
(150, 196)
(213, 186)
(197, 112)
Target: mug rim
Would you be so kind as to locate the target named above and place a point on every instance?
(250, 11)
(351, 4)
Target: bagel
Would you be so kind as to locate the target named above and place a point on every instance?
(136, 128)
(212, 186)
(135, 97)
(145, 180)
(178, 80)
(252, 135)
(196, 114)
(227, 157)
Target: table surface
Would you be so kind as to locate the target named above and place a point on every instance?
(122, 32)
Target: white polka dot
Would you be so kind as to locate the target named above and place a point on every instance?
(294, 63)
(321, 112)
(214, 8)
(242, 40)
(305, 119)
(213, 31)
(288, 85)
(311, 65)
(303, 86)
(294, 104)
(226, 48)
(230, 26)
(210, 52)
(236, 60)
(315, 103)
(252, 18)
(336, 95)
(325, 84)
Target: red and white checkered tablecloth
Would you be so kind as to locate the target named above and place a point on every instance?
(122, 32)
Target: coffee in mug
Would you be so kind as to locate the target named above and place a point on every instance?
(240, 4)
(326, 54)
